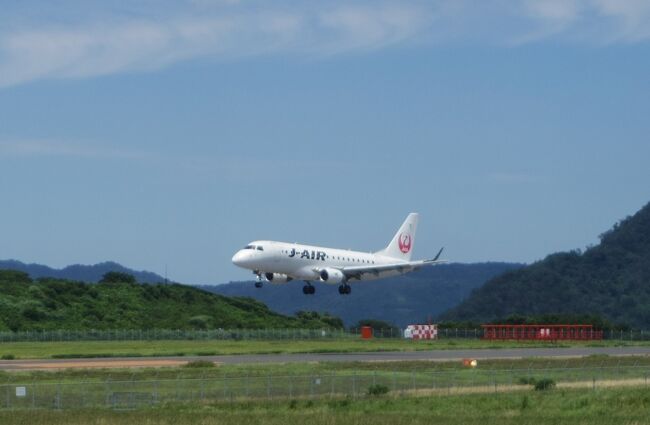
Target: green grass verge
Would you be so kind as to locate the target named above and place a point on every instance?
(86, 349)
(576, 407)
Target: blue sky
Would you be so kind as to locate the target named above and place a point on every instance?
(172, 133)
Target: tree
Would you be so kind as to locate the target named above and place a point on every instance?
(14, 276)
(117, 277)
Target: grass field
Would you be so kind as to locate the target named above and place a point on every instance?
(556, 368)
(419, 392)
(619, 406)
(41, 350)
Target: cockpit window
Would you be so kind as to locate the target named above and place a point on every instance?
(259, 248)
(249, 247)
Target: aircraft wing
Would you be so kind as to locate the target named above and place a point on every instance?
(355, 272)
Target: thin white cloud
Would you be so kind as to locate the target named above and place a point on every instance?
(81, 41)
(49, 148)
(631, 16)
(208, 167)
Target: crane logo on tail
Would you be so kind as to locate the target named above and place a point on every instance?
(405, 242)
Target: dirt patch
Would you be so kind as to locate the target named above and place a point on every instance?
(98, 364)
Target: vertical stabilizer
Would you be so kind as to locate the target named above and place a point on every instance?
(402, 244)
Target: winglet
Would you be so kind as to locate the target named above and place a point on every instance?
(438, 255)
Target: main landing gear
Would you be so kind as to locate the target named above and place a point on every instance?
(345, 289)
(258, 281)
(308, 289)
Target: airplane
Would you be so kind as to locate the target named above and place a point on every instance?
(281, 262)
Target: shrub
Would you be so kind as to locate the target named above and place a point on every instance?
(524, 403)
(340, 403)
(544, 384)
(200, 322)
(199, 363)
(377, 389)
(8, 357)
(526, 380)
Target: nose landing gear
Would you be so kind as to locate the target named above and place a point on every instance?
(345, 289)
(258, 280)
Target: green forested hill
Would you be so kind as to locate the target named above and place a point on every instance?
(611, 279)
(63, 304)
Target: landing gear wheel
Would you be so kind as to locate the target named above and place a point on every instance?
(345, 289)
(258, 279)
(308, 290)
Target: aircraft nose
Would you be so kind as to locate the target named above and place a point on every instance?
(239, 259)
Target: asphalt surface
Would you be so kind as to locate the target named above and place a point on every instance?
(435, 355)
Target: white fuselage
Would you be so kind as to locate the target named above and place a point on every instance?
(305, 262)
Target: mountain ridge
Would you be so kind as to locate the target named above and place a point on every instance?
(79, 272)
(411, 298)
(610, 279)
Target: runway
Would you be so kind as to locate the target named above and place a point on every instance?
(434, 355)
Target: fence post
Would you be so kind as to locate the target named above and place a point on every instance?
(268, 385)
(248, 384)
(202, 395)
(354, 385)
(290, 386)
(311, 386)
(58, 396)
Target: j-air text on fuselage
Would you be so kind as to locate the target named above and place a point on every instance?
(281, 262)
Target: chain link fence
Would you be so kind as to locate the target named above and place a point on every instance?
(133, 394)
(255, 334)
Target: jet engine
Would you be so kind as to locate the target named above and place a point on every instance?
(277, 277)
(331, 275)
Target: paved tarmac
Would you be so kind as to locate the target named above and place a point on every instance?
(434, 355)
